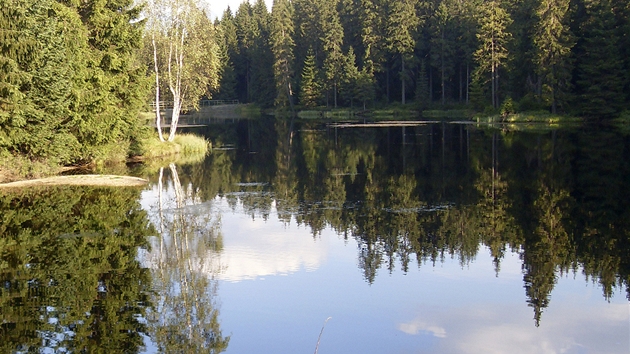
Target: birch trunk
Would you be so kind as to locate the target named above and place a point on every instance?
(158, 117)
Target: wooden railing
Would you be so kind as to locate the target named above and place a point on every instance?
(202, 103)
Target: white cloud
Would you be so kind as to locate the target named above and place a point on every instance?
(252, 251)
(417, 326)
(497, 329)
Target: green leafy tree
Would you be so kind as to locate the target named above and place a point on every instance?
(188, 54)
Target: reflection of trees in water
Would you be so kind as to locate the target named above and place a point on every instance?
(184, 261)
(558, 198)
(68, 268)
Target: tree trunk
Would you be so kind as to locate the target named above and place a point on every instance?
(467, 82)
(158, 118)
(402, 77)
(442, 69)
(430, 82)
(387, 83)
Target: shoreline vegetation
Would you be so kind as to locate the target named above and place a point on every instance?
(19, 171)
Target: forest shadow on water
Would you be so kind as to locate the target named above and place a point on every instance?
(131, 270)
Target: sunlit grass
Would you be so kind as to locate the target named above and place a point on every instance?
(529, 117)
(184, 144)
(191, 144)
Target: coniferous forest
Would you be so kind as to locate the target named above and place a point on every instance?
(564, 56)
(75, 74)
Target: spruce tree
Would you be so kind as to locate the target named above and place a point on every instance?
(599, 66)
(42, 78)
(422, 87)
(309, 86)
(442, 46)
(492, 52)
(402, 23)
(263, 90)
(282, 46)
(246, 31)
(350, 79)
(553, 42)
(116, 93)
(332, 45)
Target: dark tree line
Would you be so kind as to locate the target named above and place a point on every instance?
(560, 55)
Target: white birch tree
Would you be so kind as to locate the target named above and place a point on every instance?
(185, 55)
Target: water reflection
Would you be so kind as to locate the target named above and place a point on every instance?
(422, 194)
(68, 269)
(184, 262)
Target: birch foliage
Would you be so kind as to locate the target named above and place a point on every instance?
(185, 55)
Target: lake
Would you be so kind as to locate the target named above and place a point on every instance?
(302, 236)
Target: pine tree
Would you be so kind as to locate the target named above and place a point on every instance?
(442, 46)
(350, 79)
(422, 87)
(246, 31)
(599, 66)
(553, 42)
(263, 90)
(117, 92)
(365, 87)
(309, 87)
(492, 52)
(622, 14)
(42, 72)
(282, 46)
(402, 23)
(332, 45)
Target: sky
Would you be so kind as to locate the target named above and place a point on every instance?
(218, 6)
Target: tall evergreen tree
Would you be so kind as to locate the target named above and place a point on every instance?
(332, 42)
(442, 46)
(422, 87)
(599, 67)
(350, 79)
(402, 23)
(309, 86)
(492, 52)
(263, 90)
(246, 32)
(282, 46)
(553, 42)
(114, 38)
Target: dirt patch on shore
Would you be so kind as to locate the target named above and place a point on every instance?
(80, 180)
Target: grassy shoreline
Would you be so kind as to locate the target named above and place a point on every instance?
(185, 146)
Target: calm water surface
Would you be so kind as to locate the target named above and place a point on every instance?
(438, 238)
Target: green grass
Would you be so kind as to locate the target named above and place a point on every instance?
(191, 144)
(528, 117)
(184, 144)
